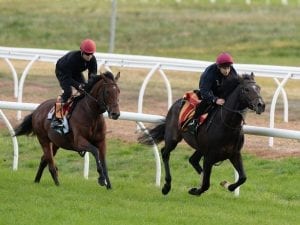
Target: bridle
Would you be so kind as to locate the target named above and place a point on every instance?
(240, 112)
(101, 100)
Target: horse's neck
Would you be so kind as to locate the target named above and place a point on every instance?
(233, 100)
(89, 106)
(232, 111)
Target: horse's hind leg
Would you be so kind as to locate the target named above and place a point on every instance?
(207, 167)
(47, 159)
(165, 151)
(237, 162)
(41, 168)
(52, 167)
(194, 161)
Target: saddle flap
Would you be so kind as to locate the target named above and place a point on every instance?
(187, 111)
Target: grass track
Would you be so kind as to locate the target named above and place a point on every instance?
(270, 195)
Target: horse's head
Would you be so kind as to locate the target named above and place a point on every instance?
(250, 94)
(106, 91)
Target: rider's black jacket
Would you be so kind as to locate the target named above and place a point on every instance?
(211, 82)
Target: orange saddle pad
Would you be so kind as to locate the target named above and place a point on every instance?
(188, 109)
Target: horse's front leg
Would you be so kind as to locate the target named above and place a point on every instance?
(207, 167)
(84, 145)
(103, 178)
(237, 162)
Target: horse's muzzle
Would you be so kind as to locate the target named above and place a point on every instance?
(114, 115)
(259, 106)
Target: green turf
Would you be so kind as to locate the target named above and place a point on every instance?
(270, 195)
(256, 33)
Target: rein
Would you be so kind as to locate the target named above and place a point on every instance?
(240, 112)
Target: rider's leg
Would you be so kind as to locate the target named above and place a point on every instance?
(57, 122)
(201, 108)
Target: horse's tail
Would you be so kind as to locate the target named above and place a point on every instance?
(25, 128)
(154, 135)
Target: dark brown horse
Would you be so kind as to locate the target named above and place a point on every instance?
(219, 138)
(87, 127)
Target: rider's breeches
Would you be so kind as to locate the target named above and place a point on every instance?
(201, 108)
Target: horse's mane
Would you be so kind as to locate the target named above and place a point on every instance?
(246, 76)
(231, 83)
(109, 75)
(93, 80)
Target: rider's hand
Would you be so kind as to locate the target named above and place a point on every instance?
(81, 87)
(220, 101)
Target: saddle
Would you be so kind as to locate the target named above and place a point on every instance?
(63, 112)
(190, 101)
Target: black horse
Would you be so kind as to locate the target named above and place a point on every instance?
(219, 138)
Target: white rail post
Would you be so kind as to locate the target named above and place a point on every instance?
(285, 102)
(168, 86)
(15, 76)
(21, 84)
(14, 140)
(273, 105)
(156, 155)
(86, 165)
(143, 87)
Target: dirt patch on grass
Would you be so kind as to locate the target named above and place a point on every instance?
(155, 102)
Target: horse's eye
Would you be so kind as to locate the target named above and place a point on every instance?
(246, 90)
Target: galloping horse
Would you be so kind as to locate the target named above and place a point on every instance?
(219, 138)
(87, 127)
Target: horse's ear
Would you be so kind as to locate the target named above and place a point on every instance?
(117, 76)
(252, 75)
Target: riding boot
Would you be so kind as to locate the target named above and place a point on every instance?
(57, 121)
(193, 125)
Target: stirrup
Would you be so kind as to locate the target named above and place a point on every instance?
(192, 126)
(57, 123)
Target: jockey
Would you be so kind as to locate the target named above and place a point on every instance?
(69, 72)
(209, 85)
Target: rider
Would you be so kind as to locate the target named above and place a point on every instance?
(69, 70)
(209, 85)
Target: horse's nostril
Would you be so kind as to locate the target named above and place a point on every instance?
(261, 107)
(115, 115)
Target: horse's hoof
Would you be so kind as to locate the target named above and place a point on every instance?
(102, 182)
(166, 189)
(195, 191)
